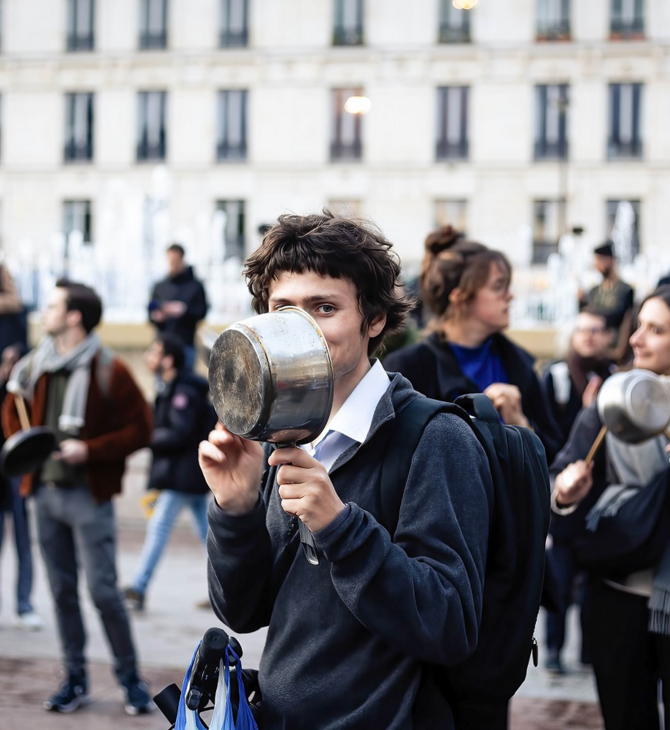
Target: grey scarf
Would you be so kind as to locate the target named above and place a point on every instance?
(45, 358)
(637, 465)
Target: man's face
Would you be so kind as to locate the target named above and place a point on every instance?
(175, 262)
(153, 357)
(333, 303)
(55, 314)
(590, 337)
(603, 264)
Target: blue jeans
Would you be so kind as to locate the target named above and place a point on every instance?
(16, 505)
(168, 507)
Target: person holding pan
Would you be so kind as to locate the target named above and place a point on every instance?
(627, 617)
(351, 638)
(98, 422)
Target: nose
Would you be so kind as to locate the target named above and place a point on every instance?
(635, 338)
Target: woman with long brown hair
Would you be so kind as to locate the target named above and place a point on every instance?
(627, 620)
(467, 288)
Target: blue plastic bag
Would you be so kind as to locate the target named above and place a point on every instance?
(222, 717)
(188, 719)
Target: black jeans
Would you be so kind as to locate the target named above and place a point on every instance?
(72, 527)
(628, 661)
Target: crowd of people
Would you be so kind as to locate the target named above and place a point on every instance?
(369, 636)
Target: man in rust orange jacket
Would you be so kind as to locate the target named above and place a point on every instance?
(88, 397)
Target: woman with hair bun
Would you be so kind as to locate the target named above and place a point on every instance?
(467, 288)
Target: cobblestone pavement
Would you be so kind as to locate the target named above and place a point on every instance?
(167, 633)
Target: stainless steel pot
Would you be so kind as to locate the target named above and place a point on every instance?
(635, 405)
(271, 377)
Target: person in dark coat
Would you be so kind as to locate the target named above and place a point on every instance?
(466, 286)
(570, 385)
(179, 302)
(354, 640)
(182, 417)
(627, 619)
(615, 299)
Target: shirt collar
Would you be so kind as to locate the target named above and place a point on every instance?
(355, 416)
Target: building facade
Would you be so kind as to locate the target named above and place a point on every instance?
(132, 122)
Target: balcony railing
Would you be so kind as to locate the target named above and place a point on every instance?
(234, 38)
(348, 36)
(453, 34)
(445, 150)
(624, 150)
(153, 41)
(627, 29)
(559, 31)
(147, 151)
(74, 152)
(80, 42)
(346, 152)
(545, 150)
(227, 152)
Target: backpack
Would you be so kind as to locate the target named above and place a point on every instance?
(516, 556)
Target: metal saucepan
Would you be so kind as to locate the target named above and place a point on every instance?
(27, 449)
(633, 406)
(271, 379)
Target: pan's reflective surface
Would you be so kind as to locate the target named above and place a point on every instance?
(635, 405)
(271, 377)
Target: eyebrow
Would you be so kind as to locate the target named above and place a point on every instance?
(309, 300)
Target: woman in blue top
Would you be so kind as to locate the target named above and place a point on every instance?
(467, 288)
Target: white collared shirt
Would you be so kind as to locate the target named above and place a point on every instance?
(351, 424)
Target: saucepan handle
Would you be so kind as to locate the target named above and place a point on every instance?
(306, 537)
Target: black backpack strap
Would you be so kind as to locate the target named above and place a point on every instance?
(408, 426)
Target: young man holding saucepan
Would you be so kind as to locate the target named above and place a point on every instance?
(353, 640)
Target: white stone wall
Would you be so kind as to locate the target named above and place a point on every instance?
(289, 70)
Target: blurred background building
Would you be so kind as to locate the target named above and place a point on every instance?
(126, 124)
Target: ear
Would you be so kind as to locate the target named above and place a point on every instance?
(456, 297)
(73, 318)
(377, 326)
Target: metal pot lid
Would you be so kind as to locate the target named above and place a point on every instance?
(271, 377)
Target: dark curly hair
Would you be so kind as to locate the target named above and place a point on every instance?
(452, 261)
(342, 248)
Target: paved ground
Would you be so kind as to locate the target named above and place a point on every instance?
(167, 633)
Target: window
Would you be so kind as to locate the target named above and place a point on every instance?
(452, 213)
(623, 227)
(345, 140)
(77, 217)
(80, 17)
(454, 24)
(551, 134)
(153, 24)
(151, 126)
(231, 141)
(345, 208)
(548, 227)
(553, 20)
(234, 31)
(234, 228)
(627, 19)
(624, 134)
(452, 123)
(348, 25)
(78, 128)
